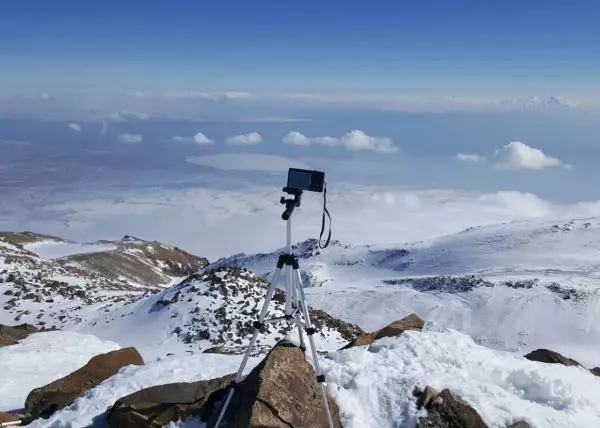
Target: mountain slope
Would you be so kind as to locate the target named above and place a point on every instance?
(513, 286)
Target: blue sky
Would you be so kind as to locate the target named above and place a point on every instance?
(421, 47)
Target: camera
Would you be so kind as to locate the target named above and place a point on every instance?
(305, 179)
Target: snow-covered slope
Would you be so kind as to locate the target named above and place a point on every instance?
(211, 312)
(513, 286)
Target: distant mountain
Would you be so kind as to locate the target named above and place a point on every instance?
(51, 282)
(550, 102)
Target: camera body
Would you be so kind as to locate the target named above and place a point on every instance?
(305, 179)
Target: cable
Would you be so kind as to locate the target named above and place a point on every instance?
(325, 212)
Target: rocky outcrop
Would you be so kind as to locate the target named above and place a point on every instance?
(520, 424)
(281, 392)
(10, 335)
(411, 322)
(161, 404)
(42, 402)
(551, 357)
(596, 371)
(447, 410)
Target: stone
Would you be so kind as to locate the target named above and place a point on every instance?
(161, 404)
(411, 322)
(520, 424)
(425, 397)
(550, 357)
(448, 410)
(281, 392)
(596, 371)
(8, 417)
(11, 335)
(43, 401)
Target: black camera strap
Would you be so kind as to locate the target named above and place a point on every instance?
(325, 212)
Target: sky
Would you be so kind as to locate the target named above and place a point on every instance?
(412, 47)
(177, 120)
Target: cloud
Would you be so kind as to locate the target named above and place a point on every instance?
(249, 139)
(130, 138)
(75, 127)
(470, 158)
(248, 162)
(354, 140)
(517, 155)
(202, 139)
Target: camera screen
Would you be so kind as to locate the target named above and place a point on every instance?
(300, 180)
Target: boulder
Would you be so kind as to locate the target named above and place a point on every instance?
(161, 404)
(281, 392)
(411, 322)
(551, 357)
(448, 410)
(43, 401)
(10, 335)
(425, 397)
(596, 371)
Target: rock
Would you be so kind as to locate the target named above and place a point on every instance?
(425, 397)
(551, 357)
(161, 404)
(42, 402)
(448, 410)
(10, 335)
(520, 424)
(7, 417)
(411, 322)
(596, 371)
(281, 392)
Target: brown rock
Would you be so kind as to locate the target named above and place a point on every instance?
(596, 371)
(448, 410)
(551, 357)
(10, 335)
(281, 392)
(411, 322)
(159, 405)
(42, 402)
(7, 417)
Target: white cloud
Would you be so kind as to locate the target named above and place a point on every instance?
(75, 127)
(517, 155)
(470, 158)
(202, 139)
(248, 162)
(178, 139)
(130, 138)
(354, 140)
(245, 139)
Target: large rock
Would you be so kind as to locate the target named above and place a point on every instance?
(411, 322)
(42, 402)
(10, 335)
(520, 424)
(547, 356)
(448, 410)
(281, 392)
(596, 371)
(161, 404)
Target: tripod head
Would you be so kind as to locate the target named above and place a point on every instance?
(290, 203)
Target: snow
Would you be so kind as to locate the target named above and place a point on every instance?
(88, 409)
(50, 250)
(373, 385)
(42, 358)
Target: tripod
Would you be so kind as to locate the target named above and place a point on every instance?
(295, 305)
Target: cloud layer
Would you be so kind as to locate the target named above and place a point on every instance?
(130, 138)
(354, 140)
(249, 139)
(470, 158)
(199, 139)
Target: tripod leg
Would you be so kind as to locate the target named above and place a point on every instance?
(297, 319)
(310, 331)
(257, 327)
